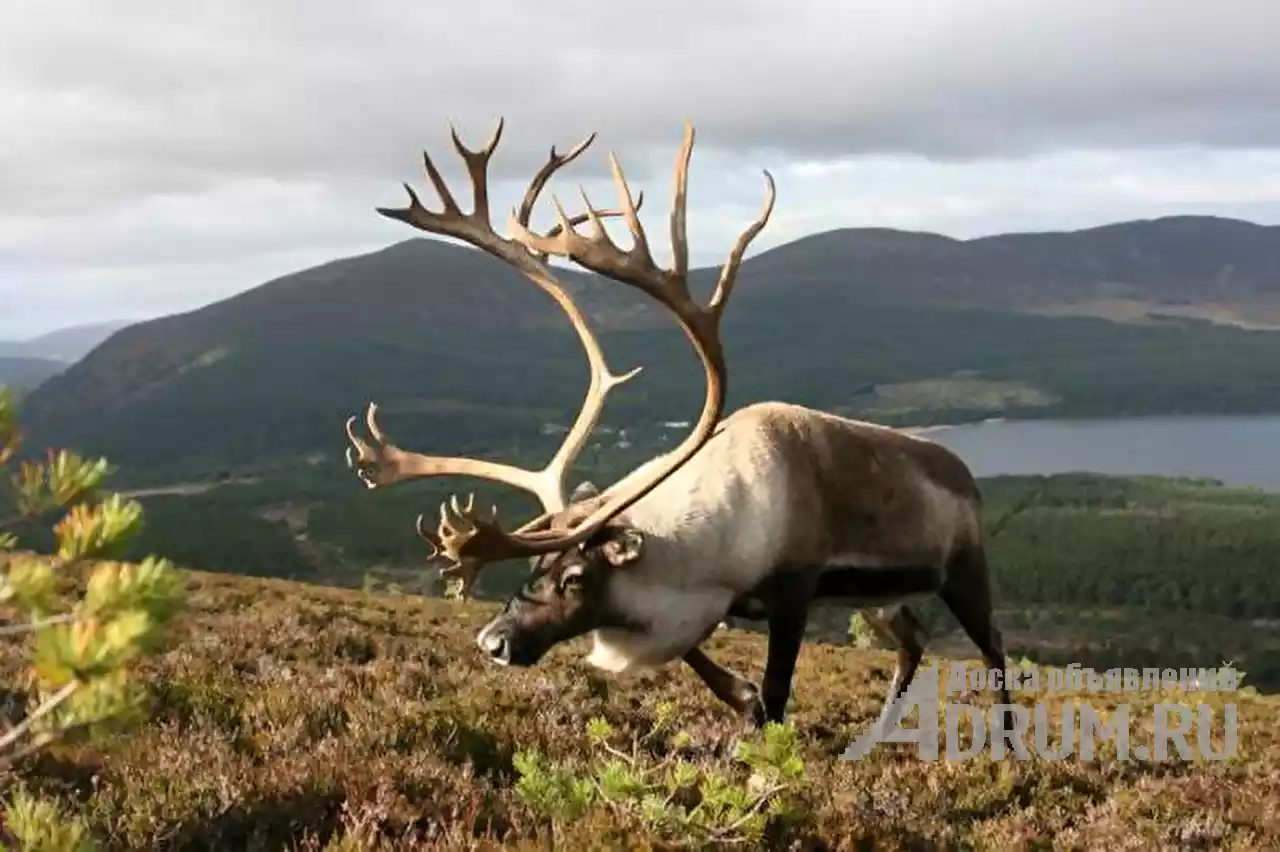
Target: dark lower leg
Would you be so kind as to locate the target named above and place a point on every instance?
(905, 629)
(968, 596)
(736, 691)
(786, 634)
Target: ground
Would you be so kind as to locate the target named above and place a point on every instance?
(296, 716)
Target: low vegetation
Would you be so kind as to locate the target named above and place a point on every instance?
(80, 628)
(298, 716)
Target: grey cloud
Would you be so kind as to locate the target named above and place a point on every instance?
(160, 154)
(156, 96)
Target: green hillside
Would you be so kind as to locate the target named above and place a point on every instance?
(463, 354)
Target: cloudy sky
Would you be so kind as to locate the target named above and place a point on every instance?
(158, 155)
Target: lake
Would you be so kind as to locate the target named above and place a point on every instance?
(1239, 450)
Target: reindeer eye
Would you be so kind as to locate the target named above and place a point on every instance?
(571, 580)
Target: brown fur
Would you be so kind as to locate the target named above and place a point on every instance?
(861, 487)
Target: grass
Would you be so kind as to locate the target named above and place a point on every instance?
(960, 391)
(293, 716)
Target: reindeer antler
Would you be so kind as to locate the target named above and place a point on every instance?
(471, 540)
(486, 541)
(378, 462)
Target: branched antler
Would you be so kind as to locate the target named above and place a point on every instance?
(467, 538)
(379, 462)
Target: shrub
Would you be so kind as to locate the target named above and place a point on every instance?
(86, 617)
(673, 797)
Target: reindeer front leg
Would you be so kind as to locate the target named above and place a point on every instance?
(788, 615)
(785, 606)
(734, 690)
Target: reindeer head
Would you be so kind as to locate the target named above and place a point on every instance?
(575, 549)
(567, 594)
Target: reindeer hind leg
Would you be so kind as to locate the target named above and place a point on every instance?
(904, 629)
(967, 593)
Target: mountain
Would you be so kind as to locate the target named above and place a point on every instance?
(26, 373)
(901, 327)
(65, 344)
(1219, 269)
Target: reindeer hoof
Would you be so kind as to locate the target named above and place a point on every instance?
(753, 715)
(753, 721)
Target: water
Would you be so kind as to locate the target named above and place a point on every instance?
(1238, 450)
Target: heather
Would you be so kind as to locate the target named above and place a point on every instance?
(298, 716)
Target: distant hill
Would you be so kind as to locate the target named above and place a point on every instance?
(1224, 270)
(26, 373)
(463, 353)
(65, 344)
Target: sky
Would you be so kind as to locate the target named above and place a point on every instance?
(156, 156)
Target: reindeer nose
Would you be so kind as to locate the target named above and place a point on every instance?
(495, 644)
(500, 649)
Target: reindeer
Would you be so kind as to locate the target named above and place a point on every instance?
(756, 516)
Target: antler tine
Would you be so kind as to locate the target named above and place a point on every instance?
(581, 218)
(442, 188)
(554, 163)
(429, 537)
(679, 202)
(379, 463)
(729, 272)
(477, 163)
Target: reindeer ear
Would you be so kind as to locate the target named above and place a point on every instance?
(623, 547)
